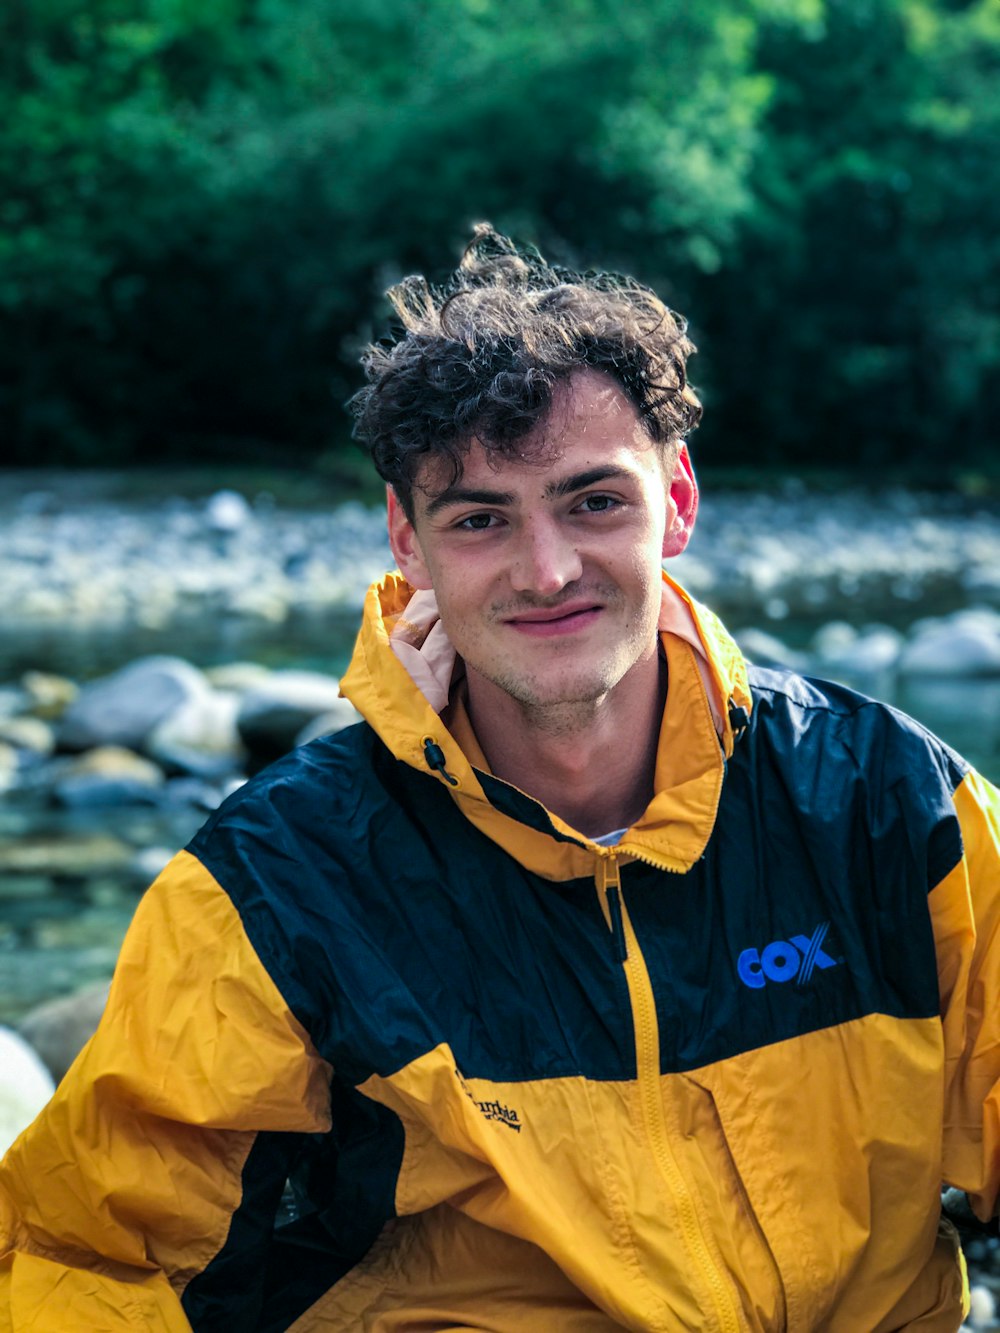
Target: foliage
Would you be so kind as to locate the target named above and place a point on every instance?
(200, 201)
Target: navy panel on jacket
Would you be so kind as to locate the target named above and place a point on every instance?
(391, 925)
(836, 820)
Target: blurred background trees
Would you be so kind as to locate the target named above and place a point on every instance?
(202, 200)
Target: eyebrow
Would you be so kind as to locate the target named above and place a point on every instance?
(456, 495)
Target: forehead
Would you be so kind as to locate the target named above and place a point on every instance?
(590, 421)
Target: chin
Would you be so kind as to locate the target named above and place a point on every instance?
(550, 694)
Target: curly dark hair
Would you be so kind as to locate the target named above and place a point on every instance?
(479, 358)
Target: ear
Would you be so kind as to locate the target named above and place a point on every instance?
(405, 544)
(683, 505)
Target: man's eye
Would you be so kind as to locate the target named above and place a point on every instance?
(476, 522)
(598, 504)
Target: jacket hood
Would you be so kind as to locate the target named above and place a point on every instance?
(400, 679)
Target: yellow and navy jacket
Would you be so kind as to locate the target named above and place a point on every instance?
(710, 1078)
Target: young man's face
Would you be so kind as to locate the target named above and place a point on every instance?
(547, 570)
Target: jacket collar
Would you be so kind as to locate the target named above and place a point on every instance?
(400, 679)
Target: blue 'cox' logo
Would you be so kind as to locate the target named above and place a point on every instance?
(785, 960)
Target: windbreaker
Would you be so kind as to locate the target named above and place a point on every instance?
(710, 1078)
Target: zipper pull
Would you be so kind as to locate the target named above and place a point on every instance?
(612, 891)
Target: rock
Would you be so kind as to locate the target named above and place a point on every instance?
(108, 775)
(200, 737)
(25, 1086)
(123, 708)
(272, 716)
(237, 676)
(50, 695)
(28, 733)
(982, 1308)
(194, 792)
(227, 512)
(67, 857)
(268, 603)
(328, 723)
(9, 765)
(13, 701)
(875, 649)
(59, 1029)
(148, 862)
(767, 650)
(951, 647)
(833, 640)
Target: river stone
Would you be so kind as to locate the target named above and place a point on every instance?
(200, 737)
(77, 856)
(108, 775)
(50, 695)
(58, 1029)
(767, 650)
(25, 1086)
(344, 715)
(9, 764)
(227, 512)
(874, 649)
(951, 648)
(123, 708)
(28, 733)
(13, 701)
(982, 1308)
(237, 676)
(272, 716)
(148, 862)
(267, 603)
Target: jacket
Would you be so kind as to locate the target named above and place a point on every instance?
(709, 1078)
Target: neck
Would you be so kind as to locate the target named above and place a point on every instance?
(591, 763)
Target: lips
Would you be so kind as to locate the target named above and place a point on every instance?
(549, 620)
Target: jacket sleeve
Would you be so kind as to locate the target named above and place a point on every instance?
(965, 910)
(168, 1142)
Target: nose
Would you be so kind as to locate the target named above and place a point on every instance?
(546, 561)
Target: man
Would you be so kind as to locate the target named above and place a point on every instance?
(596, 981)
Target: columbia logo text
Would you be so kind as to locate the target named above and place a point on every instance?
(786, 960)
(497, 1111)
(494, 1110)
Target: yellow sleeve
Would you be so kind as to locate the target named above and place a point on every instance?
(124, 1188)
(965, 910)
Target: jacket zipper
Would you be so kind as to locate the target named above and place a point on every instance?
(647, 1059)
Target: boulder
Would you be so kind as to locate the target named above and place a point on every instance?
(78, 856)
(108, 775)
(237, 676)
(833, 640)
(13, 701)
(50, 695)
(345, 715)
(767, 650)
(59, 1029)
(870, 651)
(27, 733)
(25, 1086)
(123, 708)
(200, 738)
(272, 716)
(953, 646)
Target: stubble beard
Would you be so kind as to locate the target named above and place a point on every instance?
(564, 706)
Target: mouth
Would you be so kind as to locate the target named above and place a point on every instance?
(546, 622)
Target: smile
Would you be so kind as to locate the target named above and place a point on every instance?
(556, 620)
